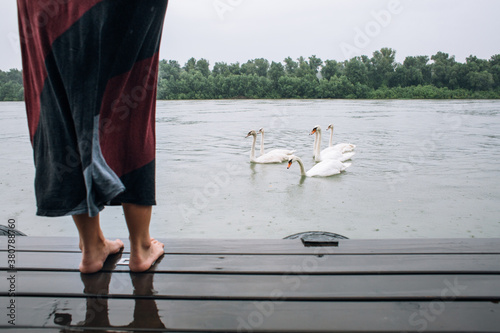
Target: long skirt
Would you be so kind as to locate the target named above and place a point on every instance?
(90, 69)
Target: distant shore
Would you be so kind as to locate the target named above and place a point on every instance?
(439, 76)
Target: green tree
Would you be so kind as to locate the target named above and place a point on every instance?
(190, 65)
(472, 72)
(414, 71)
(480, 80)
(331, 68)
(383, 63)
(169, 70)
(290, 66)
(441, 69)
(295, 87)
(221, 68)
(474, 64)
(356, 71)
(249, 68)
(13, 75)
(495, 69)
(304, 69)
(457, 77)
(11, 91)
(235, 68)
(276, 71)
(203, 67)
(336, 87)
(261, 67)
(315, 63)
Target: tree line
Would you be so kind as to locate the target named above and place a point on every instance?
(376, 77)
(379, 76)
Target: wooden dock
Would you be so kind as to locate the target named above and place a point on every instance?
(396, 285)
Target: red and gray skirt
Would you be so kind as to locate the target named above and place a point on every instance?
(90, 69)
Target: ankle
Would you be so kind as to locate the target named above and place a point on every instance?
(93, 244)
(143, 239)
(141, 244)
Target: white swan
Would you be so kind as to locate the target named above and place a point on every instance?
(266, 158)
(317, 130)
(342, 147)
(329, 152)
(323, 169)
(274, 151)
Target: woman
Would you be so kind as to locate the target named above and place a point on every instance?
(90, 69)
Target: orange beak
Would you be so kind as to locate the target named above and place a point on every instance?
(313, 131)
(289, 164)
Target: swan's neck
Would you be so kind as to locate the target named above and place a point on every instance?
(262, 143)
(252, 152)
(315, 143)
(318, 145)
(301, 165)
(331, 138)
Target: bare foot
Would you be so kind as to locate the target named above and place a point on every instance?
(143, 257)
(93, 258)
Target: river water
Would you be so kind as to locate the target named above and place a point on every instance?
(421, 169)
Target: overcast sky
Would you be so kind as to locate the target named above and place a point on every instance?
(239, 30)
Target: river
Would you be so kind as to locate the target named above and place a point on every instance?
(421, 169)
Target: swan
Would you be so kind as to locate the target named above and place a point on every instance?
(327, 153)
(342, 147)
(274, 151)
(323, 169)
(315, 131)
(266, 158)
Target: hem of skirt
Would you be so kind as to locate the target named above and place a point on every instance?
(141, 203)
(107, 197)
(59, 213)
(83, 208)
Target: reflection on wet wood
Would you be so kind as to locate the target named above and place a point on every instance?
(219, 286)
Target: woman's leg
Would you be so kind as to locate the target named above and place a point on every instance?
(144, 250)
(95, 247)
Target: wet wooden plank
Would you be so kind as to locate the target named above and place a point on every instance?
(241, 286)
(257, 316)
(37, 330)
(278, 246)
(310, 264)
(413, 285)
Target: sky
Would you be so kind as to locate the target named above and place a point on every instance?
(239, 30)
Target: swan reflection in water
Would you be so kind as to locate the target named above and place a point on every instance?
(96, 289)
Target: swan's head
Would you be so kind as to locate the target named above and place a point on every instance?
(252, 132)
(291, 160)
(315, 129)
(330, 127)
(261, 130)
